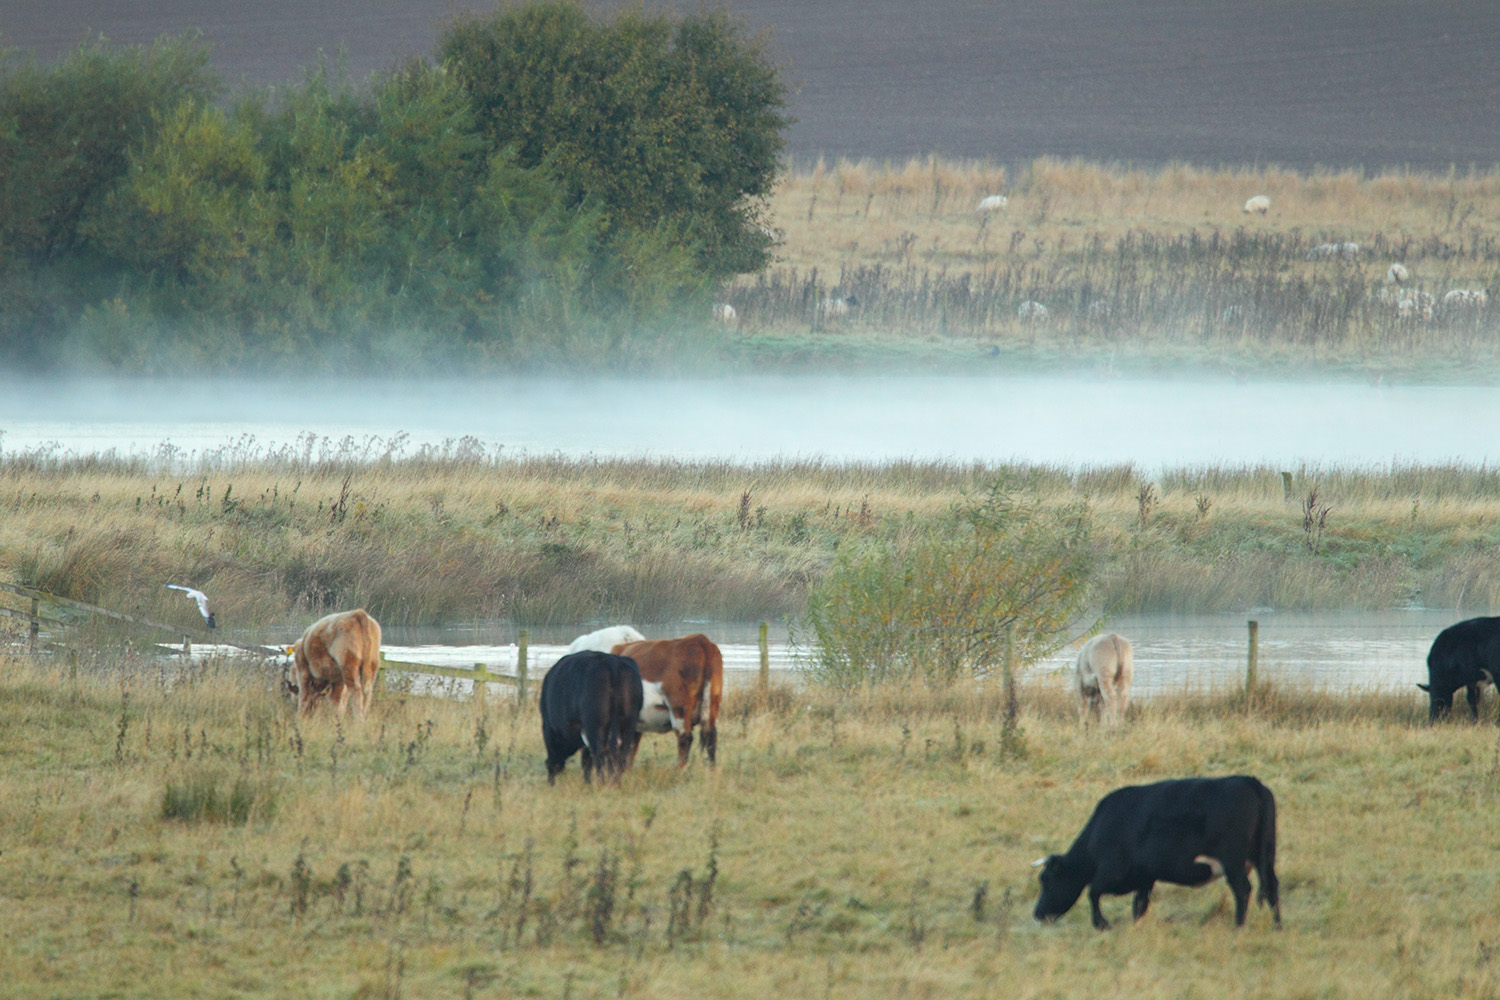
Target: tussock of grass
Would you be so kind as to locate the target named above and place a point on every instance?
(875, 844)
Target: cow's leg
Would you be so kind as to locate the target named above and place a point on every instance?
(557, 753)
(1473, 694)
(711, 745)
(684, 746)
(1099, 922)
(338, 696)
(1141, 901)
(304, 688)
(1239, 884)
(588, 765)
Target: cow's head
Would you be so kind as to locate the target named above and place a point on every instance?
(1439, 704)
(1061, 887)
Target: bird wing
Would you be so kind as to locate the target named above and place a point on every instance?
(196, 595)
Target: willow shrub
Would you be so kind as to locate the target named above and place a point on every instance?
(934, 603)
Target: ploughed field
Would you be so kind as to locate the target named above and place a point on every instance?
(1141, 81)
(171, 836)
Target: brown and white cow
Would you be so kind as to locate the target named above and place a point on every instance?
(1105, 666)
(338, 656)
(680, 677)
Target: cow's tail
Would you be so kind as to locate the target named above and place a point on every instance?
(1269, 892)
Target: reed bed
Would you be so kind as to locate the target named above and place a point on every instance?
(435, 536)
(459, 534)
(1162, 262)
(181, 832)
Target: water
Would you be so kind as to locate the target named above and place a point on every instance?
(1056, 419)
(1363, 651)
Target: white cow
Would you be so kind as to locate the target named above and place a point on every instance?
(605, 639)
(1260, 203)
(1105, 666)
(993, 202)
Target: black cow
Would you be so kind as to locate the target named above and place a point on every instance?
(590, 701)
(1187, 831)
(1465, 655)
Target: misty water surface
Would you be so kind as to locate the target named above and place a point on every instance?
(1070, 420)
(1341, 651)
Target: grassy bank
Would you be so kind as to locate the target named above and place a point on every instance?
(1137, 267)
(454, 534)
(177, 835)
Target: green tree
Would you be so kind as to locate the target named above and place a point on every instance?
(932, 605)
(673, 126)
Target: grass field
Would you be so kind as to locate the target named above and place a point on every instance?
(1136, 266)
(174, 834)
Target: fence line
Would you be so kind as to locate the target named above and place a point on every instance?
(479, 673)
(36, 618)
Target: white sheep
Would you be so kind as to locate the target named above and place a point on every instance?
(1032, 311)
(1417, 306)
(1330, 251)
(725, 313)
(993, 203)
(840, 306)
(1260, 203)
(1396, 275)
(1460, 299)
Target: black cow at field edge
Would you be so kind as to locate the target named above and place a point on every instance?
(1465, 655)
(590, 701)
(1187, 831)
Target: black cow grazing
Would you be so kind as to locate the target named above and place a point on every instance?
(1465, 655)
(591, 701)
(1188, 832)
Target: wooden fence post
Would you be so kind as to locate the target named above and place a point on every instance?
(765, 658)
(34, 631)
(521, 665)
(1252, 657)
(1010, 743)
(480, 670)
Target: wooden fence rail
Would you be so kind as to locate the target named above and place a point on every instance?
(67, 602)
(479, 673)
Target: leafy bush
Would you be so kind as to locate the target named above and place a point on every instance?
(933, 604)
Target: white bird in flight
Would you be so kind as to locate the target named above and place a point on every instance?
(200, 597)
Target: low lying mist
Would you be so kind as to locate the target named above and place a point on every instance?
(1055, 419)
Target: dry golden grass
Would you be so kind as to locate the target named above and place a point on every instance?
(875, 845)
(847, 213)
(1136, 268)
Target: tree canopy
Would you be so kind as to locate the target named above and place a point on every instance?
(545, 182)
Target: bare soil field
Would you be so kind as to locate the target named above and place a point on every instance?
(1344, 83)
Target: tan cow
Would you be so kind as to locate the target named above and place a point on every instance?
(680, 676)
(338, 655)
(1105, 666)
